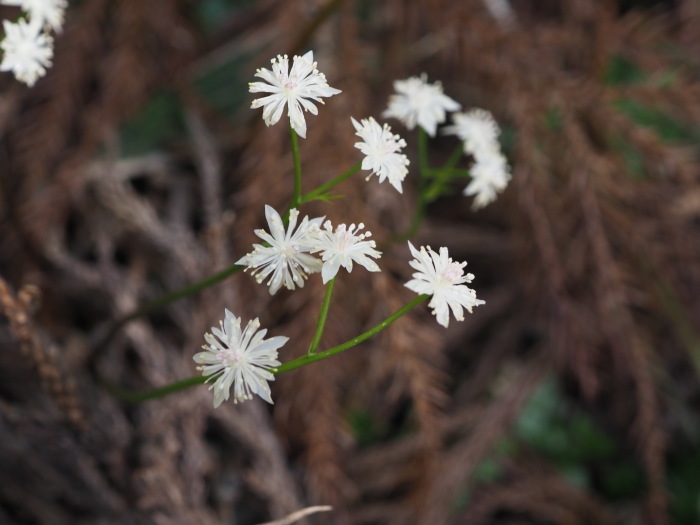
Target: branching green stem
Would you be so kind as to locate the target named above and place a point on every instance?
(423, 174)
(317, 192)
(168, 298)
(308, 359)
(304, 360)
(444, 175)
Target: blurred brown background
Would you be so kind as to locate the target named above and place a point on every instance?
(136, 167)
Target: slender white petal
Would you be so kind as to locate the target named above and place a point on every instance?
(438, 275)
(27, 50)
(294, 89)
(241, 359)
(342, 247)
(417, 102)
(286, 261)
(382, 150)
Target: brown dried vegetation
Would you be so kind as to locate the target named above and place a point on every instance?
(588, 265)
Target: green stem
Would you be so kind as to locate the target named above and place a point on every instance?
(168, 298)
(422, 155)
(308, 359)
(423, 174)
(322, 316)
(296, 198)
(304, 360)
(444, 175)
(313, 194)
(138, 397)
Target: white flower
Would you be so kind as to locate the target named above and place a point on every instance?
(490, 173)
(477, 129)
(382, 151)
(490, 176)
(342, 247)
(286, 257)
(43, 12)
(444, 279)
(239, 358)
(27, 50)
(294, 89)
(417, 102)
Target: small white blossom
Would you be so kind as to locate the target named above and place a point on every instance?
(490, 172)
(239, 358)
(417, 102)
(27, 50)
(287, 257)
(438, 275)
(344, 246)
(477, 129)
(294, 89)
(43, 12)
(490, 175)
(382, 151)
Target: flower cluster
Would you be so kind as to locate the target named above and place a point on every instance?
(490, 173)
(418, 103)
(243, 360)
(28, 46)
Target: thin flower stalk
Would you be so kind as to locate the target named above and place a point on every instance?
(322, 317)
(296, 196)
(319, 192)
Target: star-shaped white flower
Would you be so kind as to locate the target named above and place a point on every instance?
(242, 359)
(344, 246)
(294, 89)
(382, 151)
(438, 275)
(490, 175)
(44, 12)
(477, 129)
(27, 50)
(287, 257)
(417, 102)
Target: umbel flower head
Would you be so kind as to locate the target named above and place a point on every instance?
(239, 358)
(417, 102)
(286, 260)
(490, 173)
(27, 50)
(438, 275)
(382, 151)
(43, 12)
(294, 89)
(344, 246)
